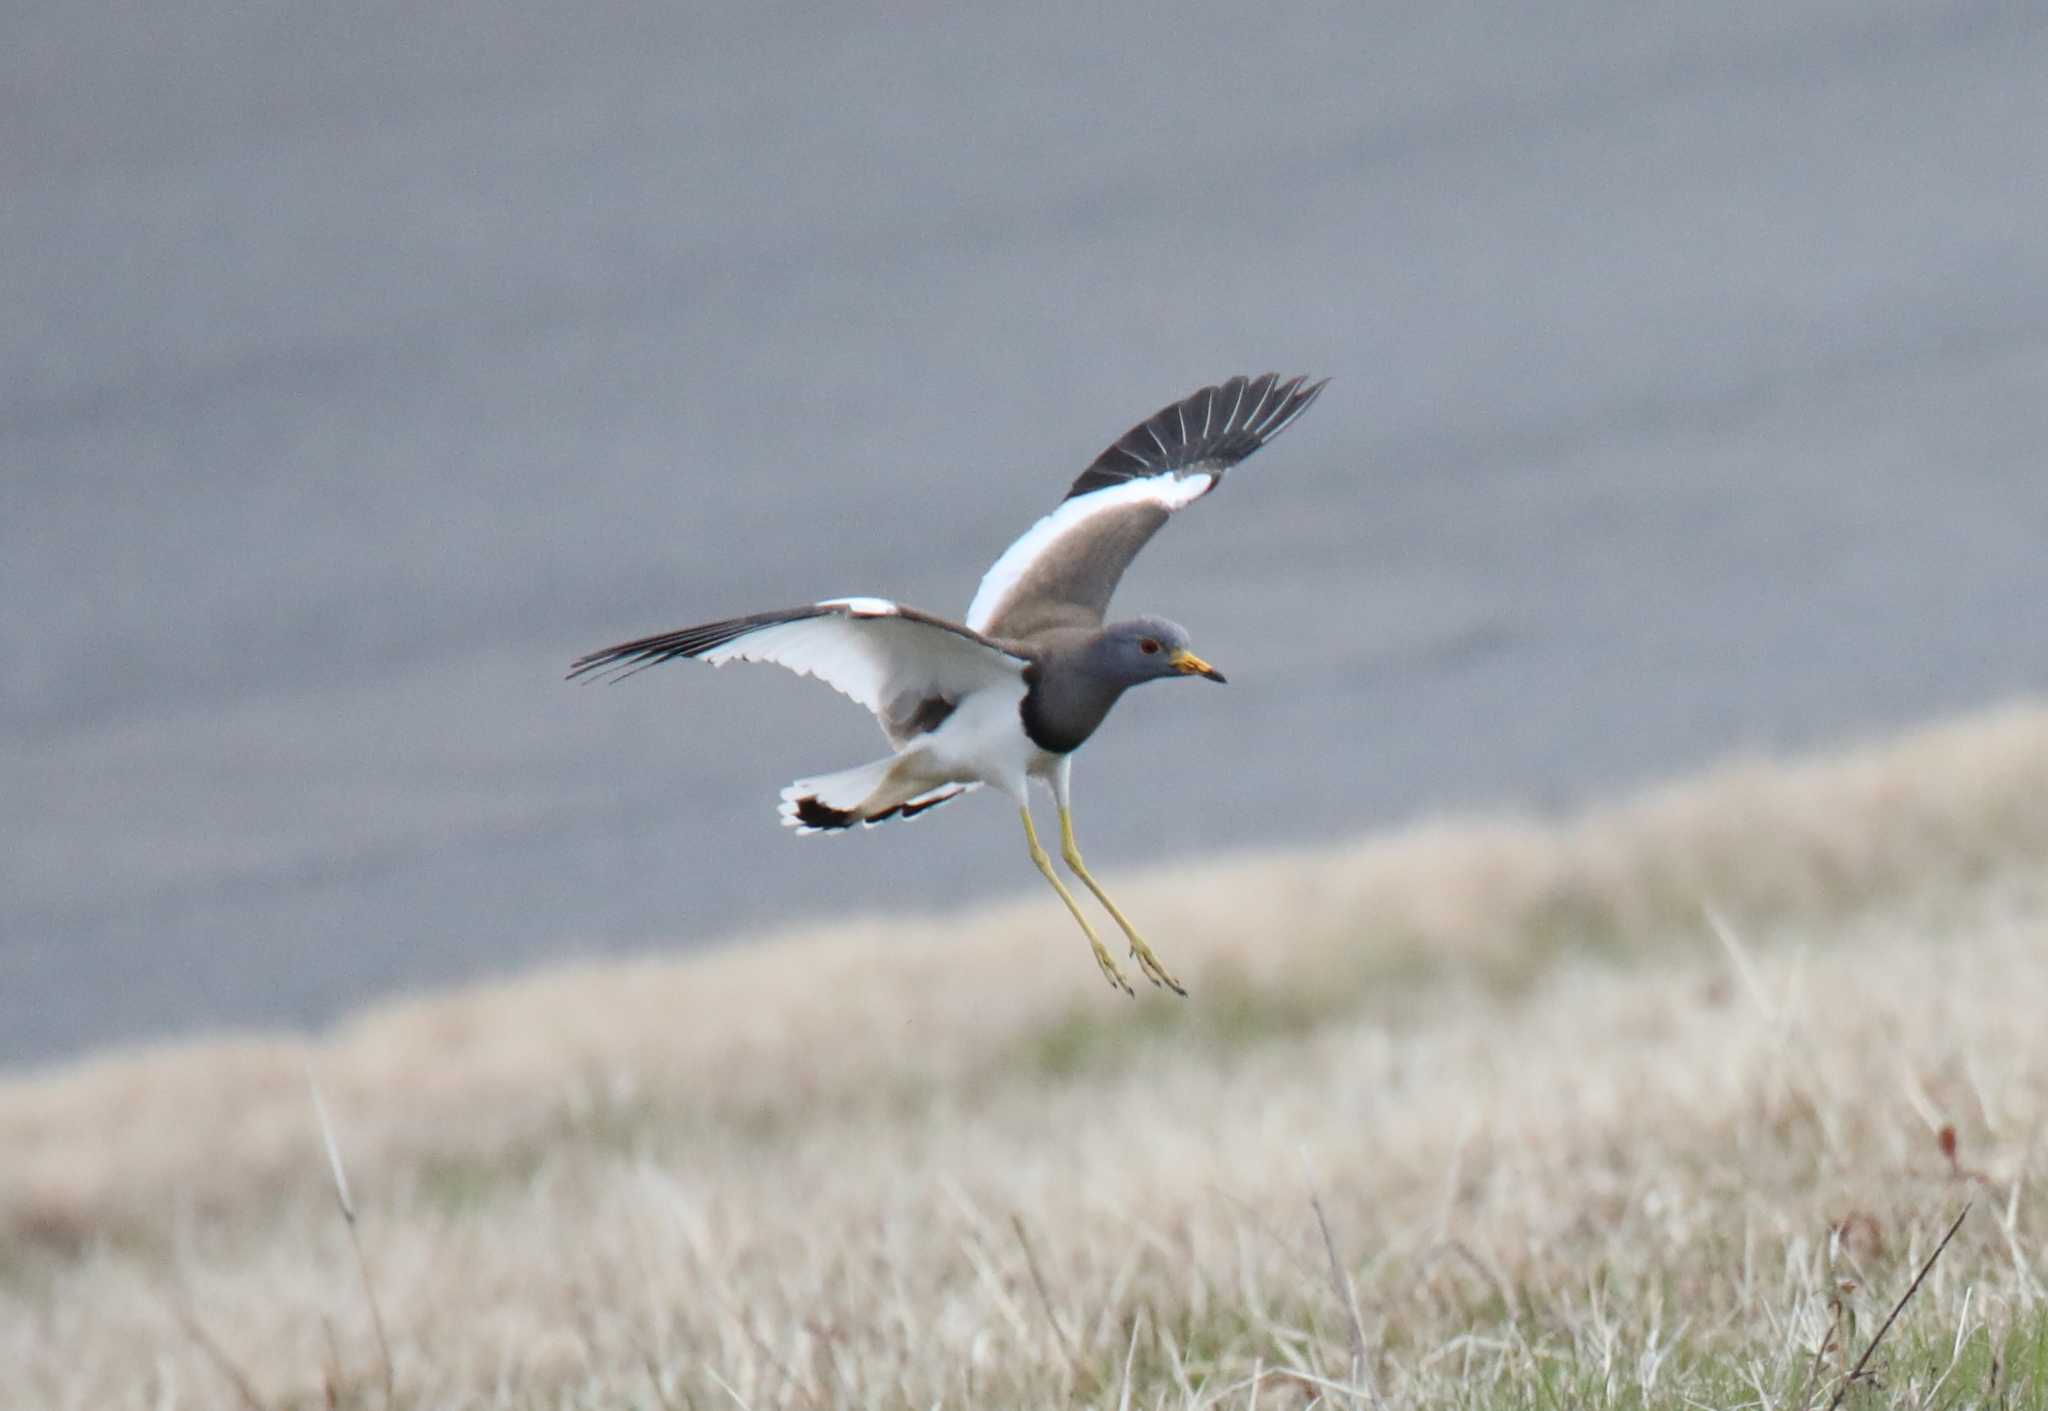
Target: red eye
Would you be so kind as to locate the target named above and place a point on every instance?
(1148, 646)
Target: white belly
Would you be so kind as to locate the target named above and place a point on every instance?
(984, 741)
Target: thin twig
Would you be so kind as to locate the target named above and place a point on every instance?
(1347, 1294)
(1820, 1350)
(1897, 1308)
(1059, 1333)
(355, 1238)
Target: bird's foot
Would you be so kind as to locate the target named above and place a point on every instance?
(1110, 970)
(1154, 971)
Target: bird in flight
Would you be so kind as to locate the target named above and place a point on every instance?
(1008, 694)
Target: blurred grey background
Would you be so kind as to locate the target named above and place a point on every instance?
(364, 363)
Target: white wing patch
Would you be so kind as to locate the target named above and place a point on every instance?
(862, 607)
(873, 656)
(1170, 490)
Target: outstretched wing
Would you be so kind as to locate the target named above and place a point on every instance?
(906, 666)
(1064, 569)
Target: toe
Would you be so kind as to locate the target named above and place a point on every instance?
(1158, 973)
(1111, 973)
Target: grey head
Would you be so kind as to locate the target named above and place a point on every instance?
(1079, 675)
(1145, 649)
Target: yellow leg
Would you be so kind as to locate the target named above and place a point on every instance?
(1071, 851)
(1102, 957)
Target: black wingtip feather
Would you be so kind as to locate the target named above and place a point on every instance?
(631, 658)
(1213, 429)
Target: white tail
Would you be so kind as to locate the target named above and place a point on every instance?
(867, 794)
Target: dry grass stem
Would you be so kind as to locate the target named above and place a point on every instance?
(1900, 1307)
(1600, 1154)
(1082, 1376)
(1340, 1279)
(339, 1173)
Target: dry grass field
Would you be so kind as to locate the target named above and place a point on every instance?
(1664, 1105)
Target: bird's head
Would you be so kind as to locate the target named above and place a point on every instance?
(1148, 649)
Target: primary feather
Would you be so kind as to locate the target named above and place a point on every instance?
(1066, 567)
(894, 660)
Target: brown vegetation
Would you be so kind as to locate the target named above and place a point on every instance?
(1668, 1101)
